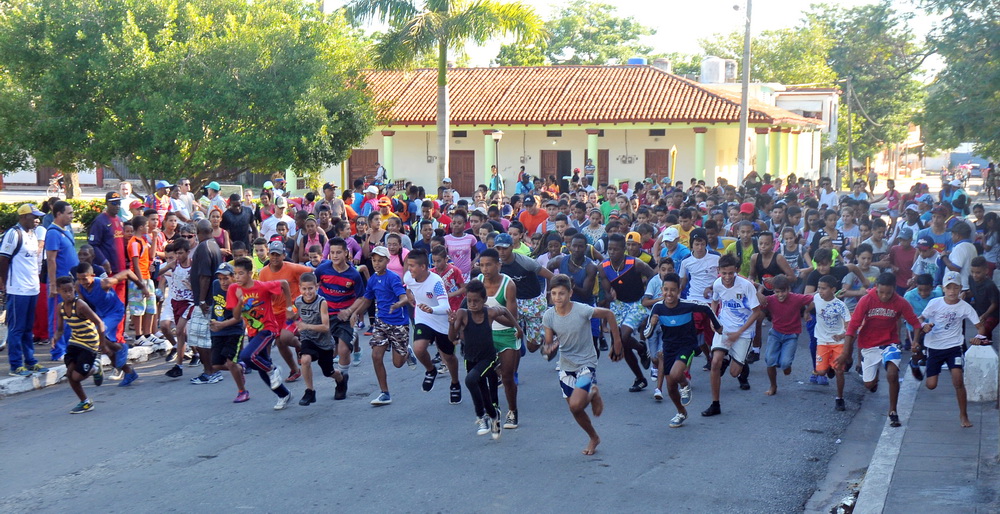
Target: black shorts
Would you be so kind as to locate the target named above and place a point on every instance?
(422, 332)
(685, 355)
(320, 356)
(225, 348)
(82, 357)
(953, 357)
(341, 330)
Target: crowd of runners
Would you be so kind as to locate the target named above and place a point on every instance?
(674, 279)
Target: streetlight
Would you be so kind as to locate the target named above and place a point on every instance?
(497, 136)
(744, 99)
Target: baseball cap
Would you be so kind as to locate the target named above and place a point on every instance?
(941, 210)
(213, 185)
(529, 200)
(280, 180)
(503, 241)
(162, 184)
(905, 233)
(372, 190)
(747, 208)
(268, 185)
(955, 183)
(699, 233)
(633, 237)
(384, 202)
(136, 204)
(506, 211)
(552, 203)
(29, 208)
(447, 180)
(276, 247)
(924, 243)
(281, 201)
(328, 186)
(951, 277)
(225, 269)
(381, 250)
(913, 207)
(671, 234)
(112, 196)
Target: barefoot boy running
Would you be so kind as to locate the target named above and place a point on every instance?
(570, 322)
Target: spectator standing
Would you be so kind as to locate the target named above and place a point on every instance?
(236, 220)
(60, 256)
(19, 260)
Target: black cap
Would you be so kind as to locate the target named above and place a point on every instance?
(699, 233)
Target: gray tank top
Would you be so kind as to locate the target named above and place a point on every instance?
(310, 313)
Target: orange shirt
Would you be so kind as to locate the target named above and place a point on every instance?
(138, 247)
(290, 272)
(532, 222)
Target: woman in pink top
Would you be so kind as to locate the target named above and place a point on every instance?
(397, 254)
(218, 233)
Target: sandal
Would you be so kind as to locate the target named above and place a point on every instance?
(894, 420)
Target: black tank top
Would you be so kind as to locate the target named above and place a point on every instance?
(627, 283)
(766, 274)
(477, 340)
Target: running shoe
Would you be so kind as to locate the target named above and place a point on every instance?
(340, 391)
(658, 395)
(894, 420)
(754, 356)
(653, 372)
(85, 406)
(128, 379)
(356, 359)
(275, 376)
(121, 356)
(707, 367)
(118, 374)
(175, 372)
(200, 380)
(437, 358)
(170, 354)
(98, 372)
(215, 378)
(822, 380)
(21, 372)
(677, 420)
(308, 397)
(644, 359)
(495, 427)
(38, 368)
(455, 394)
(283, 402)
(915, 369)
(686, 395)
(243, 396)
(603, 344)
(838, 404)
(483, 425)
(511, 421)
(411, 358)
(712, 410)
(382, 399)
(744, 383)
(143, 341)
(638, 385)
(814, 379)
(293, 376)
(195, 360)
(429, 377)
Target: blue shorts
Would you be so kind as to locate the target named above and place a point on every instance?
(582, 378)
(953, 357)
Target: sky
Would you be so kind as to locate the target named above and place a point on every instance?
(679, 24)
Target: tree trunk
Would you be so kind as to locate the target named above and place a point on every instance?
(72, 182)
(443, 120)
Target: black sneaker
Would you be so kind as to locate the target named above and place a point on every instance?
(894, 420)
(753, 357)
(175, 372)
(195, 360)
(915, 369)
(437, 359)
(707, 367)
(603, 344)
(455, 394)
(340, 392)
(98, 372)
(712, 410)
(171, 354)
(839, 404)
(744, 384)
(638, 385)
(429, 377)
(644, 359)
(308, 397)
(831, 373)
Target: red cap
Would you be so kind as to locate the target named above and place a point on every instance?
(747, 208)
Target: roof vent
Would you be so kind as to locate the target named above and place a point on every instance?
(663, 64)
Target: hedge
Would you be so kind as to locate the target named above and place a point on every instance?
(84, 212)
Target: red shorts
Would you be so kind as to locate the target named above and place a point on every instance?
(182, 309)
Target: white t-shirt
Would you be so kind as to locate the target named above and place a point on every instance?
(431, 293)
(961, 255)
(180, 284)
(701, 274)
(736, 304)
(948, 322)
(24, 266)
(830, 319)
(270, 226)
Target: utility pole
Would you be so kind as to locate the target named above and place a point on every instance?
(850, 138)
(744, 102)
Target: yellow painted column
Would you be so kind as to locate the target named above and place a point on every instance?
(762, 150)
(699, 152)
(783, 154)
(388, 157)
(774, 159)
(795, 139)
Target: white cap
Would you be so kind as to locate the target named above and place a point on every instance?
(446, 180)
(281, 201)
(372, 190)
(951, 277)
(381, 250)
(955, 183)
(671, 234)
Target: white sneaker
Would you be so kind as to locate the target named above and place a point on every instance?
(654, 372)
(144, 341)
(677, 420)
(496, 427)
(283, 402)
(275, 376)
(483, 425)
(686, 395)
(657, 395)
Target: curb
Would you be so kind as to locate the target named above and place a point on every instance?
(871, 500)
(16, 385)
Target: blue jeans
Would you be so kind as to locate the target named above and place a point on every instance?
(20, 319)
(780, 351)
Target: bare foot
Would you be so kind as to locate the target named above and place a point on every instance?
(965, 422)
(771, 391)
(788, 371)
(596, 403)
(592, 447)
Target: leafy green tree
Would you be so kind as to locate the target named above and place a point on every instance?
(420, 27)
(521, 55)
(788, 56)
(587, 32)
(962, 102)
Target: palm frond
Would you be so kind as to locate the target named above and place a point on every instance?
(483, 20)
(393, 12)
(402, 45)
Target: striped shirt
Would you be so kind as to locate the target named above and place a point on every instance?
(84, 332)
(339, 288)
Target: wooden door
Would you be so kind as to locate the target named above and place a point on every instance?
(548, 164)
(462, 170)
(602, 167)
(361, 164)
(657, 164)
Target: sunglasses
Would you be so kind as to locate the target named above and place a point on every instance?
(188, 236)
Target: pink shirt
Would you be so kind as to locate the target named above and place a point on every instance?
(460, 250)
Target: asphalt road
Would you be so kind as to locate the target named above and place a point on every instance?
(167, 445)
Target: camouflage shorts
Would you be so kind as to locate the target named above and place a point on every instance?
(384, 334)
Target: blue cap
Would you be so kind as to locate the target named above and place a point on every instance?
(503, 241)
(161, 184)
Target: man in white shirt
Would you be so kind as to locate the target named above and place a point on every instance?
(430, 316)
(19, 266)
(959, 259)
(828, 198)
(699, 271)
(269, 227)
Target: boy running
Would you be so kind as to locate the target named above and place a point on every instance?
(567, 331)
(141, 307)
(106, 304)
(786, 325)
(831, 316)
(226, 339)
(86, 333)
(341, 286)
(426, 294)
(313, 328)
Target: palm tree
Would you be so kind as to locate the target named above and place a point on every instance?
(420, 28)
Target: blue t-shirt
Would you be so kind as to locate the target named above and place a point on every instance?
(682, 252)
(384, 290)
(61, 241)
(918, 302)
(942, 242)
(105, 303)
(356, 204)
(220, 313)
